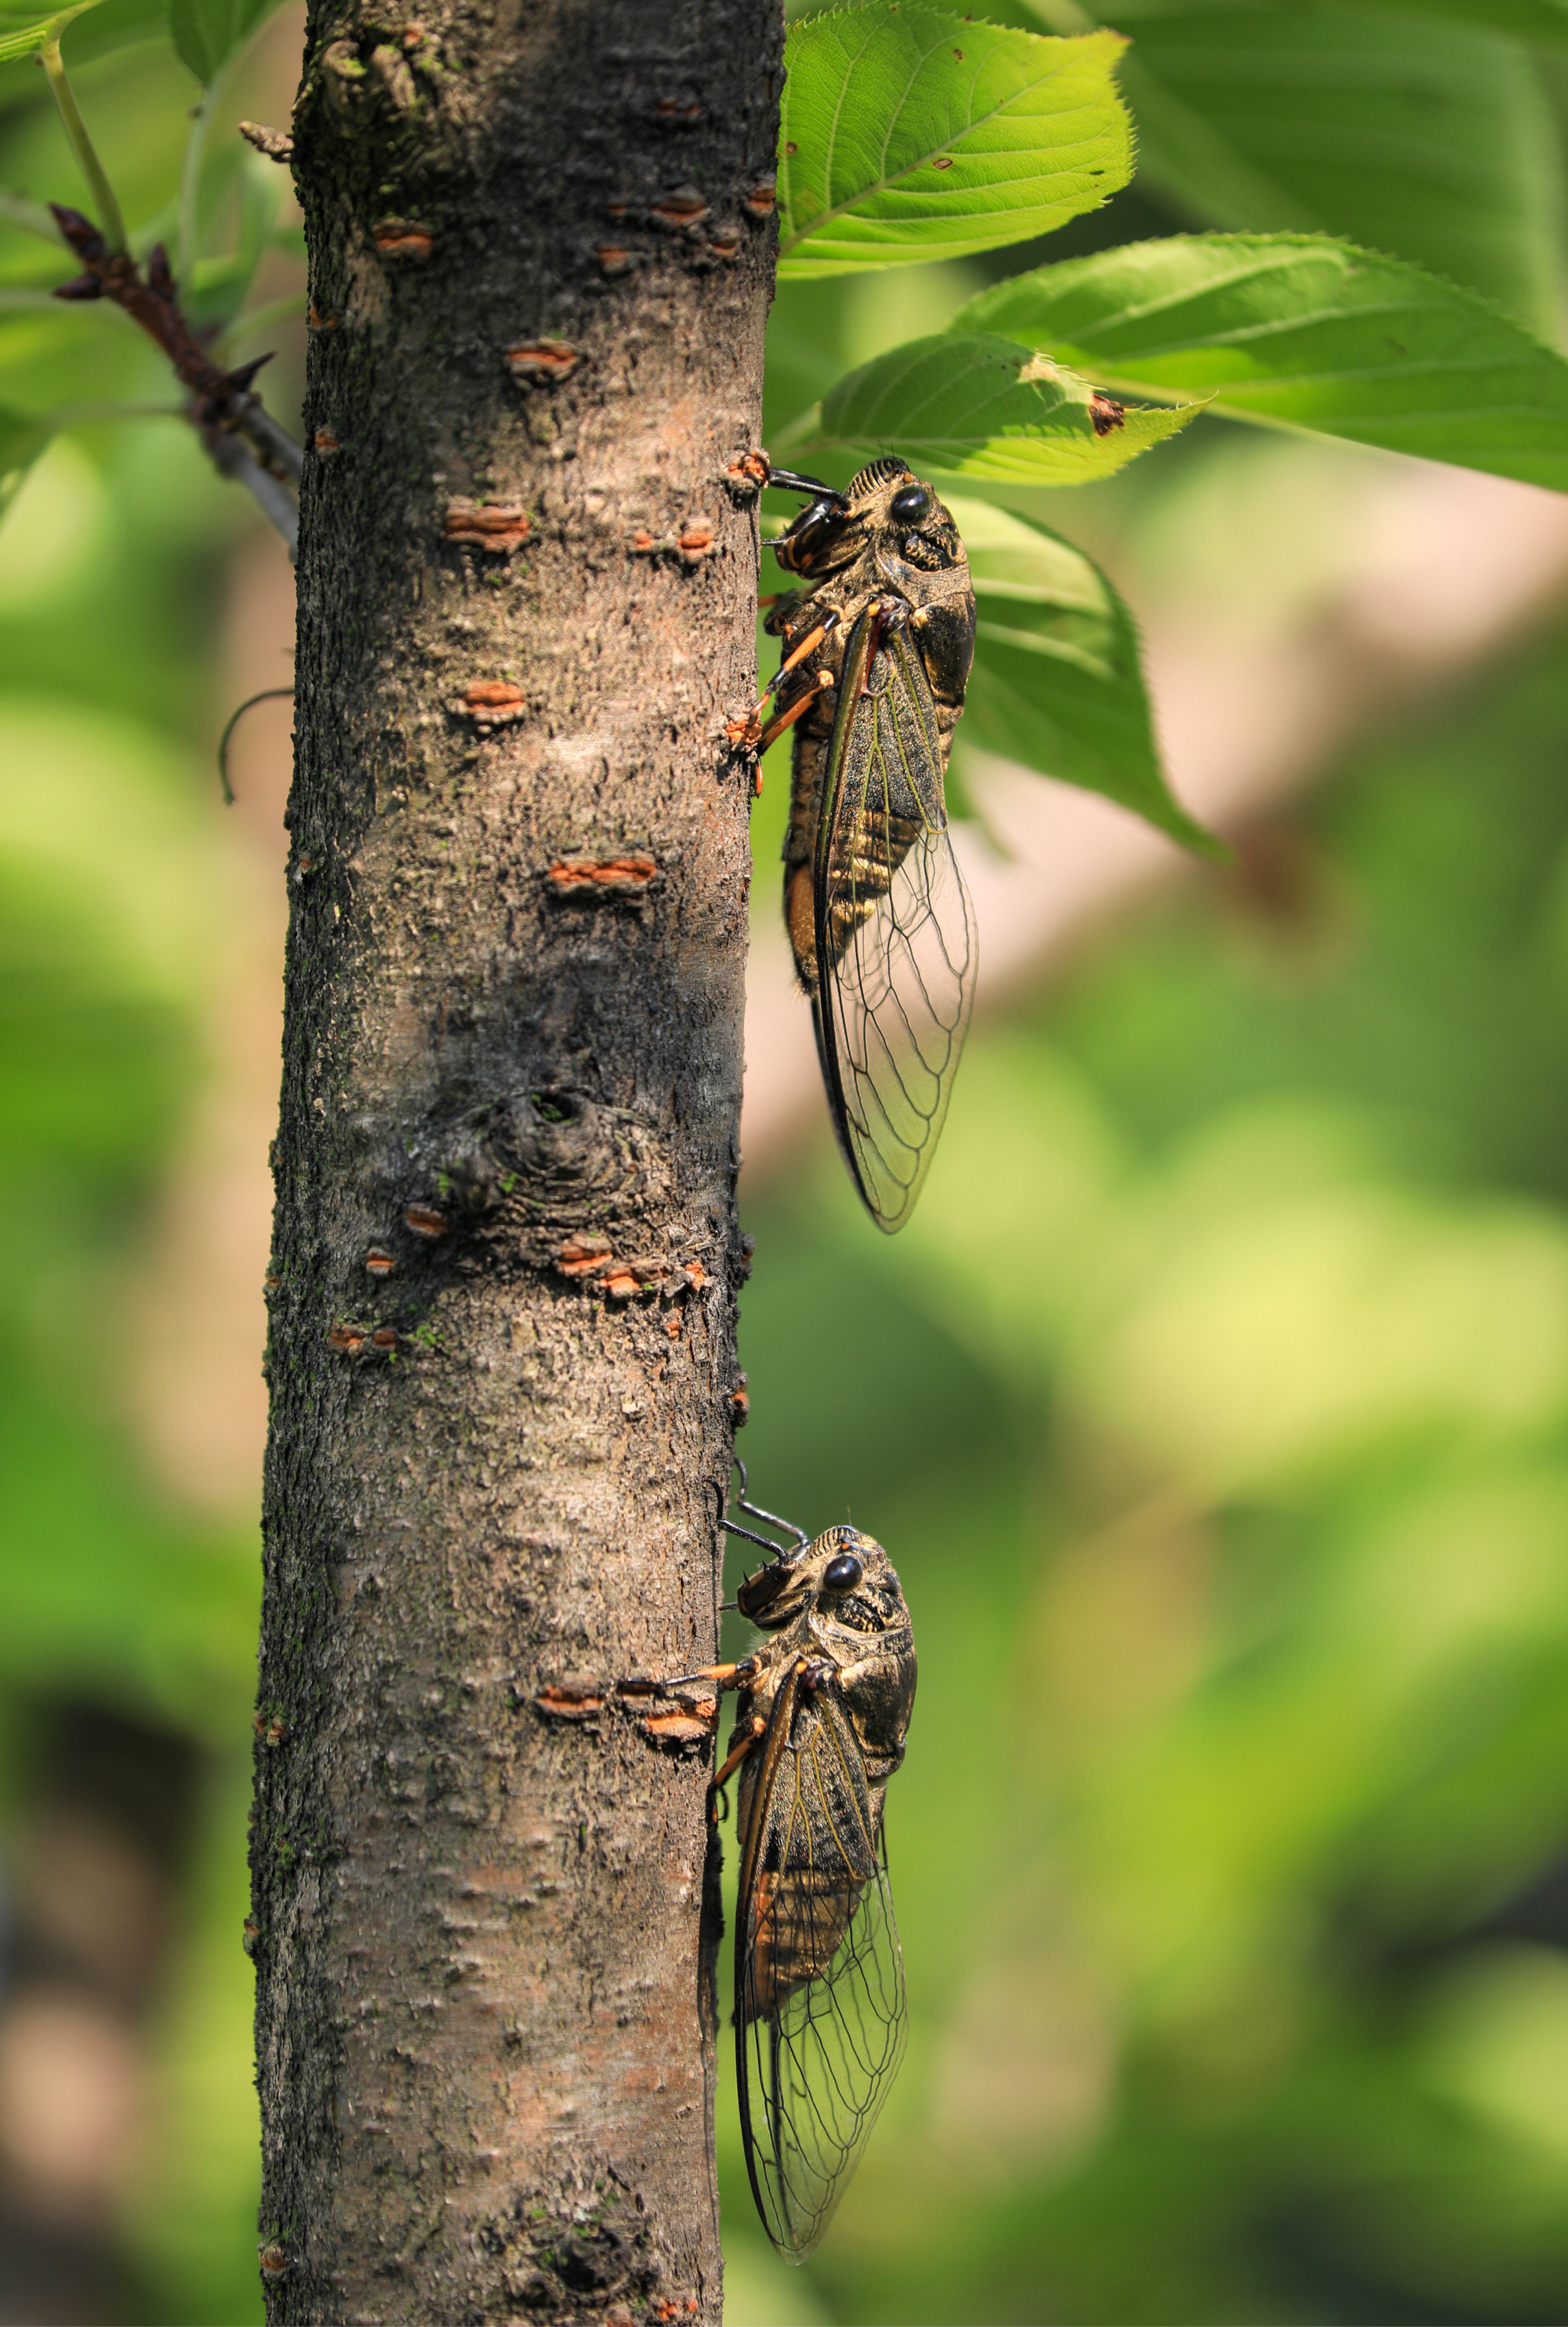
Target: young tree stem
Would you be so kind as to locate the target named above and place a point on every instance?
(503, 1347)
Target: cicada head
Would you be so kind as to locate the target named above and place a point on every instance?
(887, 512)
(844, 1575)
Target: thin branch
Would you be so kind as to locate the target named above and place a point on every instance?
(272, 443)
(219, 399)
(92, 168)
(274, 500)
(222, 408)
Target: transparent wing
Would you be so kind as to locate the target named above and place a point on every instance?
(895, 929)
(819, 1979)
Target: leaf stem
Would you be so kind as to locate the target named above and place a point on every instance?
(28, 217)
(191, 173)
(107, 207)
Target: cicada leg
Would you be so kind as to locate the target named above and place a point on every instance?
(748, 732)
(733, 1676)
(730, 1764)
(822, 680)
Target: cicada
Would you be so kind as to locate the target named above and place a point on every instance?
(877, 651)
(819, 2007)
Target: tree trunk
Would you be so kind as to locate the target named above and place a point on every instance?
(502, 1353)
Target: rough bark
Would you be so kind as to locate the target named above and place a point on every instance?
(502, 1353)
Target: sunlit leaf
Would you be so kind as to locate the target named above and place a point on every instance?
(1058, 682)
(23, 34)
(1304, 332)
(972, 404)
(909, 135)
(1430, 140)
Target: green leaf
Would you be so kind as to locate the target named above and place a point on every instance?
(1543, 22)
(1427, 139)
(975, 406)
(911, 135)
(111, 24)
(22, 440)
(22, 34)
(207, 34)
(1301, 331)
(1058, 682)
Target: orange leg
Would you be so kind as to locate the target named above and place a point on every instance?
(730, 1763)
(723, 1676)
(770, 734)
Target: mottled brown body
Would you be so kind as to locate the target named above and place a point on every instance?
(864, 555)
(818, 1976)
(824, 1710)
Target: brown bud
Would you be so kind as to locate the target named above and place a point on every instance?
(80, 232)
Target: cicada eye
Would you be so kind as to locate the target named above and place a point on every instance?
(842, 1573)
(909, 507)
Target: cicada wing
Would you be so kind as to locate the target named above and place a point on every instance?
(819, 1979)
(896, 940)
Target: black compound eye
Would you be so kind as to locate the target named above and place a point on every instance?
(842, 1573)
(909, 507)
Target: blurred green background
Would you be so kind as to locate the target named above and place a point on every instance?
(1214, 1406)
